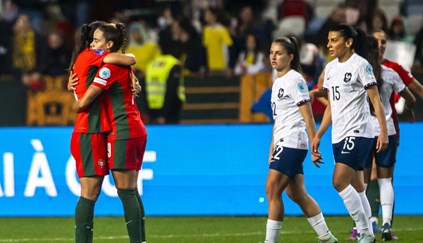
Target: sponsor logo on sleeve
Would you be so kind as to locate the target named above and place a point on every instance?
(100, 81)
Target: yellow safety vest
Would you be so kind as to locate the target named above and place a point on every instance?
(157, 73)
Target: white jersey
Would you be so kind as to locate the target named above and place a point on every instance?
(288, 92)
(391, 83)
(346, 83)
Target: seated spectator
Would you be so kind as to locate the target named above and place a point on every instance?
(251, 59)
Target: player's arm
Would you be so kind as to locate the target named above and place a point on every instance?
(324, 125)
(416, 87)
(410, 100)
(305, 110)
(382, 140)
(89, 96)
(120, 59)
(72, 81)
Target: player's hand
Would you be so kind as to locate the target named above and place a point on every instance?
(382, 142)
(317, 160)
(135, 84)
(75, 106)
(409, 114)
(72, 81)
(314, 145)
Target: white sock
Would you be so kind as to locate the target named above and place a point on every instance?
(354, 206)
(386, 199)
(273, 228)
(367, 209)
(319, 225)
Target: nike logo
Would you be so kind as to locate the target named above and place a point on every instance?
(130, 221)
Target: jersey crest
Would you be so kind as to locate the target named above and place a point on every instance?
(280, 93)
(347, 77)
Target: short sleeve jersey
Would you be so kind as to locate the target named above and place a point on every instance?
(120, 102)
(346, 83)
(391, 83)
(94, 118)
(289, 92)
(406, 78)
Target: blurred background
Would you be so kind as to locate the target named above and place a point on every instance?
(224, 75)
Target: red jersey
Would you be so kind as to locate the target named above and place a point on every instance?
(122, 110)
(406, 78)
(94, 118)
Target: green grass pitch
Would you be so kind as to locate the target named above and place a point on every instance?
(193, 229)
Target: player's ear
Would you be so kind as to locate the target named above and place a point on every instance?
(109, 45)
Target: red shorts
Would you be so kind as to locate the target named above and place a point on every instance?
(89, 152)
(125, 154)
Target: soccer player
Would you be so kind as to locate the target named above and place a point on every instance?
(349, 81)
(388, 83)
(409, 80)
(294, 122)
(127, 140)
(89, 137)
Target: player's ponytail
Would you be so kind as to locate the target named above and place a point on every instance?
(373, 59)
(121, 27)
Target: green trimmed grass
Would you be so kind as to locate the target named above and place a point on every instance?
(192, 229)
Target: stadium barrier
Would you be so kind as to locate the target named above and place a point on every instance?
(187, 170)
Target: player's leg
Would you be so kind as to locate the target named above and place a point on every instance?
(89, 152)
(125, 161)
(385, 166)
(275, 184)
(297, 192)
(373, 195)
(342, 179)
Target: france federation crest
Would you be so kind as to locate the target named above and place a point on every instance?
(280, 93)
(105, 73)
(347, 77)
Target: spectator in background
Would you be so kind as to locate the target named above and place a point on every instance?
(378, 21)
(216, 40)
(57, 21)
(251, 59)
(193, 56)
(9, 12)
(57, 55)
(245, 25)
(27, 47)
(418, 41)
(140, 45)
(164, 91)
(397, 31)
(337, 17)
